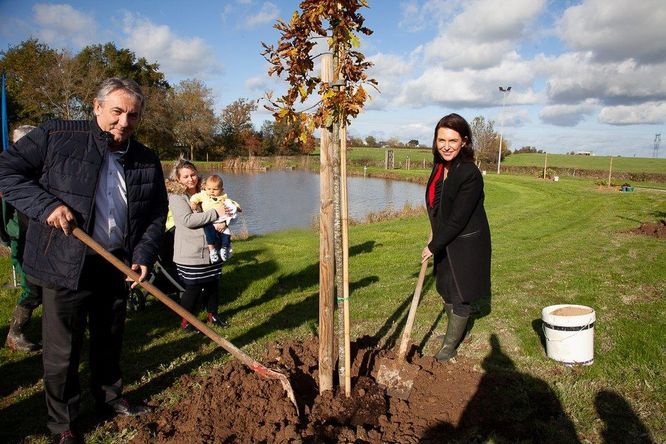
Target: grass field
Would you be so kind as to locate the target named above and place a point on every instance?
(553, 242)
(375, 156)
(624, 164)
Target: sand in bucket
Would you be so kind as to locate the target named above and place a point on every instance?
(569, 332)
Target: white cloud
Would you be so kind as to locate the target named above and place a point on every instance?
(257, 83)
(483, 33)
(515, 117)
(470, 88)
(416, 16)
(617, 30)
(60, 24)
(268, 13)
(567, 115)
(645, 113)
(179, 57)
(575, 77)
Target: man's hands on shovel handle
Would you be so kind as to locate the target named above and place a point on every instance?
(62, 218)
(142, 270)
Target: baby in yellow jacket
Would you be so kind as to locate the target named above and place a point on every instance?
(219, 244)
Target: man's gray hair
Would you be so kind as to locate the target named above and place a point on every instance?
(21, 131)
(114, 83)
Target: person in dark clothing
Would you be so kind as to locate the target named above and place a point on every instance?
(16, 225)
(93, 175)
(460, 235)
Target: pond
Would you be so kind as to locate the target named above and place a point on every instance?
(280, 200)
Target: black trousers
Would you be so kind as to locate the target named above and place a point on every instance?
(448, 288)
(208, 291)
(99, 302)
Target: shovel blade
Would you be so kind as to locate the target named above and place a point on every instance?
(397, 376)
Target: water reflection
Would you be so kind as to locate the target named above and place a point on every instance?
(279, 200)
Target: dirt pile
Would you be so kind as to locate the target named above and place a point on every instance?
(233, 404)
(656, 229)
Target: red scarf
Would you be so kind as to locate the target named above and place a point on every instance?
(431, 188)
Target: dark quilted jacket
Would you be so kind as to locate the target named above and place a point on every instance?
(58, 163)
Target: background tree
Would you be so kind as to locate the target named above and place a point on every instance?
(195, 123)
(413, 143)
(371, 141)
(27, 66)
(236, 126)
(486, 139)
(353, 141)
(394, 142)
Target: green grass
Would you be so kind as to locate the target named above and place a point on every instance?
(620, 164)
(553, 242)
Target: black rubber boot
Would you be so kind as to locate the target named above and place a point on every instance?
(454, 333)
(16, 340)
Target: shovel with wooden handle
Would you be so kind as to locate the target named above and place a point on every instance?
(203, 328)
(397, 374)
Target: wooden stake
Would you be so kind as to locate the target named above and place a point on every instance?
(545, 163)
(345, 255)
(610, 171)
(326, 264)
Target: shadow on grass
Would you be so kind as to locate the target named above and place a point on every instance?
(537, 326)
(293, 315)
(508, 406)
(621, 422)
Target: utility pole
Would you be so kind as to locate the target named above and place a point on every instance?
(505, 92)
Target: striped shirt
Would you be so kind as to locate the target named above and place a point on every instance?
(191, 275)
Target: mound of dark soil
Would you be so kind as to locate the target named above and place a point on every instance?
(233, 404)
(656, 229)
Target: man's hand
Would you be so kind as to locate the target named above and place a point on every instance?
(62, 218)
(143, 274)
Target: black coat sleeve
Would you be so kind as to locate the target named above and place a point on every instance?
(20, 170)
(458, 204)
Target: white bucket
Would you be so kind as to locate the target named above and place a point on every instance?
(556, 178)
(569, 331)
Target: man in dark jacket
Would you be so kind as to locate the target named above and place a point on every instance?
(93, 175)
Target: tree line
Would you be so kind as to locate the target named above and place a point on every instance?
(44, 83)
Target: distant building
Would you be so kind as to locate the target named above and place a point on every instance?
(584, 153)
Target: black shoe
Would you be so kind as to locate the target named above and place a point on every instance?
(67, 437)
(216, 320)
(121, 407)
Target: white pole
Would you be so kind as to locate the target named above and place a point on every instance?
(505, 92)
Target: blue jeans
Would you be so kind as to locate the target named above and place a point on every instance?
(214, 237)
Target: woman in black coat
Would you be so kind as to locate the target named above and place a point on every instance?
(460, 235)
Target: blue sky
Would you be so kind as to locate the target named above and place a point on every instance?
(585, 75)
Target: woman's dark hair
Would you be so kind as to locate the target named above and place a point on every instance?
(457, 123)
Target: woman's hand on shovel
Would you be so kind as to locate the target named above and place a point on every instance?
(425, 254)
(142, 270)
